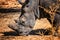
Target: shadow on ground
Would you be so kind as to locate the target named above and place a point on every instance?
(11, 33)
(33, 32)
(9, 10)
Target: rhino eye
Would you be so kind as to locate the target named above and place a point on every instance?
(20, 32)
(27, 6)
(23, 22)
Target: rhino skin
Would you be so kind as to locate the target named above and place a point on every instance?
(36, 9)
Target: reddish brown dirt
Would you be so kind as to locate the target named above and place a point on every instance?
(7, 18)
(29, 38)
(9, 4)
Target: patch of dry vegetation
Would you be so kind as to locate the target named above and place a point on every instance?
(6, 18)
(9, 4)
(29, 38)
(9, 18)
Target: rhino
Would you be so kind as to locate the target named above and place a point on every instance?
(36, 9)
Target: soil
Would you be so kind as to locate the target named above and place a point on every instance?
(8, 18)
(8, 34)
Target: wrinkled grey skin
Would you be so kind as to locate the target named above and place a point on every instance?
(27, 19)
(29, 13)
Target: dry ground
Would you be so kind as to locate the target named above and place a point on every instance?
(6, 18)
(29, 38)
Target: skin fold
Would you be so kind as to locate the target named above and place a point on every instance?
(31, 11)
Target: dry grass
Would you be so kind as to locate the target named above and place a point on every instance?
(9, 4)
(6, 18)
(29, 38)
(9, 18)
